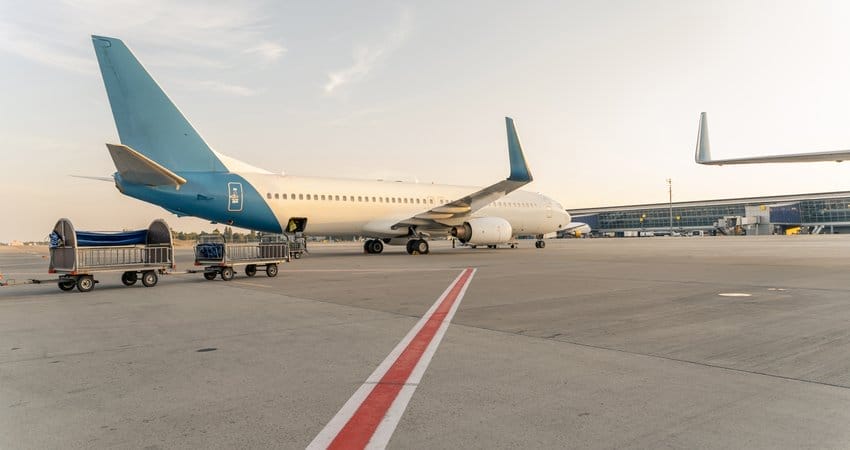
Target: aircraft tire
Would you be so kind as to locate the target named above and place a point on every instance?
(420, 246)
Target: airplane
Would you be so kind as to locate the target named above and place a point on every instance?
(164, 161)
(703, 152)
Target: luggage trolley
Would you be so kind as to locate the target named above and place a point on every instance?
(79, 255)
(220, 257)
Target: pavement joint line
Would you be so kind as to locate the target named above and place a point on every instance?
(335, 303)
(245, 283)
(204, 339)
(657, 356)
(715, 283)
(447, 269)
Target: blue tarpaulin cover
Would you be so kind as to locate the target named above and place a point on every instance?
(210, 251)
(90, 239)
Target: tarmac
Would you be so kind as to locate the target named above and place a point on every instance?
(697, 342)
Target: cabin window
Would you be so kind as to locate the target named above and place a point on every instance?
(344, 198)
(366, 199)
(417, 200)
(373, 200)
(393, 199)
(269, 195)
(352, 198)
(276, 195)
(336, 197)
(300, 196)
(309, 197)
(293, 196)
(323, 197)
(283, 196)
(380, 199)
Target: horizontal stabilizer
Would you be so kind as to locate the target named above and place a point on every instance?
(136, 168)
(86, 177)
(703, 152)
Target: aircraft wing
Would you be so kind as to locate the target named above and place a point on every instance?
(703, 152)
(456, 212)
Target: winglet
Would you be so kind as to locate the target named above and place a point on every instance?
(703, 152)
(519, 169)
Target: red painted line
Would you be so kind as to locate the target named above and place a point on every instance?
(359, 429)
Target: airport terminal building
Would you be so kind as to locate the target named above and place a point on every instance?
(827, 212)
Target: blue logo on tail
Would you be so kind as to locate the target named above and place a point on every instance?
(234, 197)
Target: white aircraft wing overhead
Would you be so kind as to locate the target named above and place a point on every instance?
(456, 212)
(703, 152)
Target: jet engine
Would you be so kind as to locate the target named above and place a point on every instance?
(484, 231)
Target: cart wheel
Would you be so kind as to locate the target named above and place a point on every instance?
(129, 278)
(210, 275)
(149, 278)
(227, 273)
(298, 255)
(271, 270)
(85, 283)
(67, 285)
(250, 270)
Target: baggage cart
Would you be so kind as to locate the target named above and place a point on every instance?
(220, 257)
(79, 255)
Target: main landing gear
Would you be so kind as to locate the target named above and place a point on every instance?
(373, 246)
(540, 244)
(417, 247)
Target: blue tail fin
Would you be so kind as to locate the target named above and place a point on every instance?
(146, 118)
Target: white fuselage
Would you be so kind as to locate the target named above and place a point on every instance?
(336, 207)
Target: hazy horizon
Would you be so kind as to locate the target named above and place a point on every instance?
(606, 96)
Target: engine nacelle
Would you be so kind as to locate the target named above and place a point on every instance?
(484, 231)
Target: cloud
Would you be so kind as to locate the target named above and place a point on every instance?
(16, 41)
(226, 88)
(367, 58)
(187, 34)
(268, 51)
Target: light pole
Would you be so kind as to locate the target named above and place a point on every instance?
(670, 193)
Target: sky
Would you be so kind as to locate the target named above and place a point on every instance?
(606, 96)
